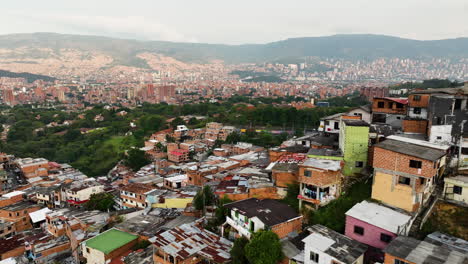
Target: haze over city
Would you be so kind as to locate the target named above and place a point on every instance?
(237, 22)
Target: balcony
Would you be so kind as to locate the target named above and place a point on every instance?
(316, 195)
(239, 226)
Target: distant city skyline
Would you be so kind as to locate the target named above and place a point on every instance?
(237, 22)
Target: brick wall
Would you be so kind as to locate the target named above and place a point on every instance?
(389, 259)
(13, 253)
(54, 250)
(283, 229)
(22, 220)
(282, 178)
(319, 178)
(121, 250)
(423, 102)
(12, 200)
(390, 160)
(415, 126)
(263, 193)
(386, 108)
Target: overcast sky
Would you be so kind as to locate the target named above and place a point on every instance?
(237, 21)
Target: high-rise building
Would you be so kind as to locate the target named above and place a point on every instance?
(9, 97)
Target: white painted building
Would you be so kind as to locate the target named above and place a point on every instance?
(456, 188)
(326, 246)
(441, 134)
(331, 124)
(80, 191)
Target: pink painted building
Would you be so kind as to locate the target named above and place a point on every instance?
(376, 226)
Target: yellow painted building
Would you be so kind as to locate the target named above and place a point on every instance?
(386, 190)
(173, 203)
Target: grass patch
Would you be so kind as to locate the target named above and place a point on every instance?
(447, 218)
(104, 157)
(333, 214)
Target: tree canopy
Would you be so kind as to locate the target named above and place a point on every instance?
(100, 201)
(238, 251)
(264, 248)
(136, 159)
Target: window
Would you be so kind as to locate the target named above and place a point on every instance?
(404, 180)
(458, 103)
(385, 238)
(87, 250)
(327, 122)
(390, 105)
(464, 151)
(415, 164)
(417, 110)
(307, 173)
(314, 257)
(380, 104)
(398, 105)
(397, 261)
(359, 164)
(337, 125)
(457, 189)
(422, 181)
(417, 98)
(358, 230)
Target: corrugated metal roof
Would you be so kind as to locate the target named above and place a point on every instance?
(192, 239)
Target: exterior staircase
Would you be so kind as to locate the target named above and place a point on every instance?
(425, 211)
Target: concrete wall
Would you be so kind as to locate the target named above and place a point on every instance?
(354, 143)
(413, 114)
(92, 255)
(83, 195)
(441, 134)
(398, 195)
(449, 184)
(371, 235)
(365, 116)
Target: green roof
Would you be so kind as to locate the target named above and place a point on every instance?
(110, 240)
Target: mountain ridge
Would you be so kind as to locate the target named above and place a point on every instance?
(107, 51)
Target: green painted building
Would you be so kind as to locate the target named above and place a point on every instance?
(107, 246)
(354, 144)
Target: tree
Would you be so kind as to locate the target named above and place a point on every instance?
(100, 201)
(204, 197)
(264, 248)
(291, 196)
(136, 159)
(238, 251)
(176, 122)
(72, 134)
